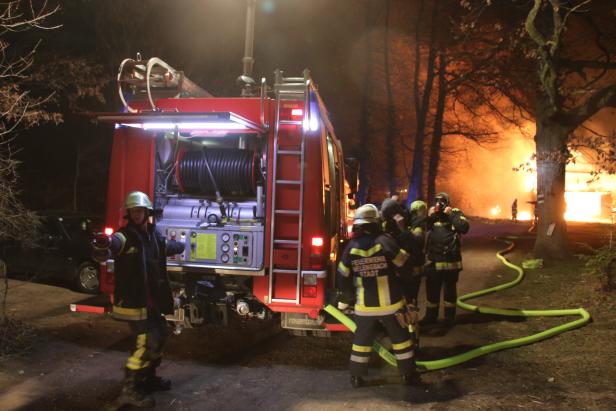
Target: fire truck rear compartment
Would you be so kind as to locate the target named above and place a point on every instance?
(211, 195)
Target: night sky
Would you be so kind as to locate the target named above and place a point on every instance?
(206, 40)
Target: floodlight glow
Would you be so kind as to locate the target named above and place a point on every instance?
(187, 126)
(182, 121)
(312, 124)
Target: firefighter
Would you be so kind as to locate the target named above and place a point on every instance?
(445, 225)
(514, 210)
(368, 264)
(418, 212)
(142, 295)
(408, 229)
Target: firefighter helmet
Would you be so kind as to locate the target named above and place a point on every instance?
(419, 208)
(137, 199)
(366, 214)
(444, 198)
(389, 208)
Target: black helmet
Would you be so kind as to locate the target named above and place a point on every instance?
(390, 208)
(443, 197)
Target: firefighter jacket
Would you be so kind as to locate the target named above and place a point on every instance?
(140, 268)
(443, 242)
(369, 264)
(411, 239)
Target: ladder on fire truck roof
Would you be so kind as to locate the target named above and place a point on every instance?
(288, 88)
(153, 79)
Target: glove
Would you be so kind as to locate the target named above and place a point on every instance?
(100, 245)
(101, 241)
(342, 300)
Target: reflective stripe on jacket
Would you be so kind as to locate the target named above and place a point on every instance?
(131, 277)
(443, 242)
(370, 262)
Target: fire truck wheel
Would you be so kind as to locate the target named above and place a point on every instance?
(86, 278)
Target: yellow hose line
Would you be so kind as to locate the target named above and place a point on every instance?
(501, 345)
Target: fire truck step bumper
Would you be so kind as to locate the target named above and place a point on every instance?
(99, 304)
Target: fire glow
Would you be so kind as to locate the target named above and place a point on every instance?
(585, 201)
(524, 216)
(583, 206)
(482, 182)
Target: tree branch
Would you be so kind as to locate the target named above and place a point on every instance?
(606, 97)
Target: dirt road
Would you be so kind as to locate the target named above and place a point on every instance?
(77, 361)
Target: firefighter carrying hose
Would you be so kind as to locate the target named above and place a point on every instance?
(445, 226)
(142, 295)
(369, 264)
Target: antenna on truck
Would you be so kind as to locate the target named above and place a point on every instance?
(245, 80)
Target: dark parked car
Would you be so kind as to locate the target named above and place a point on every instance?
(62, 251)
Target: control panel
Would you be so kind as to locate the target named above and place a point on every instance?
(223, 247)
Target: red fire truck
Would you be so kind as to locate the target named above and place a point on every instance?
(253, 186)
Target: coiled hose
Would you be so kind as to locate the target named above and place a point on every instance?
(233, 171)
(498, 346)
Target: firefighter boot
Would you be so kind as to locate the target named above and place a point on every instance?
(357, 381)
(153, 382)
(450, 315)
(411, 378)
(430, 317)
(131, 395)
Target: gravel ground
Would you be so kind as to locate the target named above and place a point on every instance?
(76, 361)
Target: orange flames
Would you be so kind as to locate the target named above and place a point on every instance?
(584, 200)
(482, 182)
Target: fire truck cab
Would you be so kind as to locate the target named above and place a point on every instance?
(253, 186)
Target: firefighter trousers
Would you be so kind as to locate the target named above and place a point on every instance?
(446, 279)
(150, 336)
(367, 329)
(410, 287)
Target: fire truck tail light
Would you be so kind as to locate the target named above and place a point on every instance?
(108, 230)
(317, 241)
(316, 252)
(310, 291)
(297, 112)
(310, 286)
(310, 279)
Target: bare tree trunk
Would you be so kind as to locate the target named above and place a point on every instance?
(390, 134)
(76, 178)
(5, 280)
(437, 134)
(422, 105)
(551, 138)
(364, 115)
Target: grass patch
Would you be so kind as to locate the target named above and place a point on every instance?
(16, 337)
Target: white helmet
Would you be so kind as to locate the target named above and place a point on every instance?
(137, 199)
(366, 214)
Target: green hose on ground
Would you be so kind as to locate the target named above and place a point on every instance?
(486, 349)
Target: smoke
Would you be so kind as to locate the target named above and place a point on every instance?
(480, 178)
